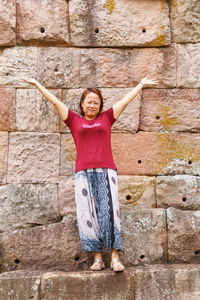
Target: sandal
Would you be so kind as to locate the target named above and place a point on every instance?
(98, 265)
(116, 265)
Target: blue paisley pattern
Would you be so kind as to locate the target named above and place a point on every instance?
(97, 207)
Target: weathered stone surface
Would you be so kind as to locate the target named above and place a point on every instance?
(67, 156)
(7, 112)
(185, 21)
(44, 26)
(128, 121)
(154, 282)
(183, 235)
(3, 156)
(58, 67)
(35, 113)
(7, 23)
(17, 62)
(113, 23)
(144, 235)
(125, 68)
(24, 205)
(181, 191)
(48, 247)
(137, 191)
(188, 66)
(150, 153)
(20, 285)
(170, 110)
(187, 280)
(66, 195)
(172, 282)
(87, 286)
(33, 158)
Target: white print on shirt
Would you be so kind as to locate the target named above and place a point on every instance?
(91, 126)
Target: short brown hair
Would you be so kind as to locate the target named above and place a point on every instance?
(85, 93)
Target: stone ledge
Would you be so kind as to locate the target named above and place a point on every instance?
(174, 282)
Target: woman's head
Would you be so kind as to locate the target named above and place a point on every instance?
(91, 103)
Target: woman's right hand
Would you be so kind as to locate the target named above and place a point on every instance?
(30, 80)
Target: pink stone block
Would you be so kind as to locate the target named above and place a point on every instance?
(3, 156)
(125, 68)
(58, 67)
(7, 111)
(7, 23)
(68, 155)
(149, 153)
(188, 65)
(119, 23)
(35, 113)
(48, 26)
(66, 195)
(183, 235)
(170, 110)
(33, 158)
(185, 21)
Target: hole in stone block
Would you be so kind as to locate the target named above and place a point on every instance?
(157, 117)
(56, 69)
(96, 30)
(128, 197)
(197, 252)
(142, 256)
(184, 199)
(189, 162)
(42, 30)
(77, 258)
(190, 23)
(144, 30)
(17, 261)
(139, 161)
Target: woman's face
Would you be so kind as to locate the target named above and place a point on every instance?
(91, 106)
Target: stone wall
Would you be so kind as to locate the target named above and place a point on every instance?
(110, 44)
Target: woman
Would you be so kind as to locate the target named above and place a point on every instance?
(96, 191)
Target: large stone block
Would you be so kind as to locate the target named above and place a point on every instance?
(144, 235)
(188, 65)
(87, 286)
(66, 195)
(128, 121)
(7, 23)
(181, 191)
(119, 23)
(24, 205)
(103, 67)
(35, 113)
(17, 62)
(67, 156)
(33, 158)
(183, 235)
(185, 21)
(44, 26)
(170, 110)
(187, 280)
(137, 191)
(58, 67)
(7, 112)
(20, 285)
(47, 247)
(150, 153)
(154, 282)
(3, 156)
(172, 282)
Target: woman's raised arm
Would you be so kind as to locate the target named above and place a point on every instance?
(119, 106)
(60, 106)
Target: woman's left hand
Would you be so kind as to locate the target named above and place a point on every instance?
(149, 82)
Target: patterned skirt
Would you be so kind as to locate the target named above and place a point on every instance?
(97, 209)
